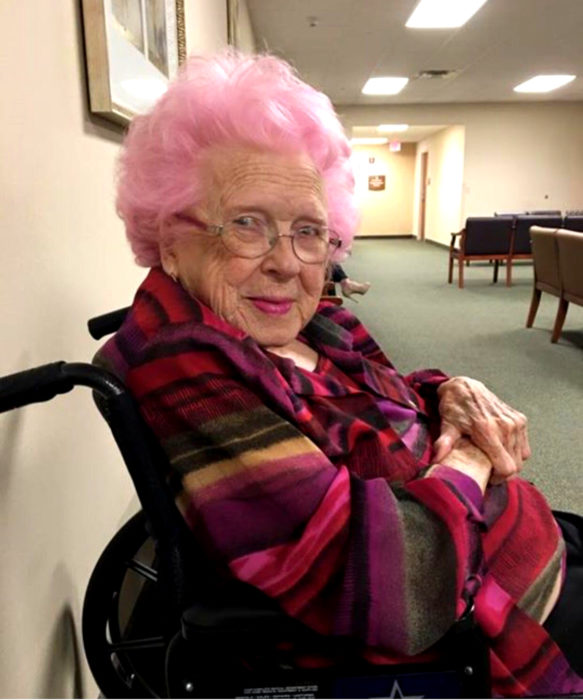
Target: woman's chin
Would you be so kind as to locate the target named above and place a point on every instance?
(273, 330)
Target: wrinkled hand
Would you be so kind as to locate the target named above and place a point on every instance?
(465, 457)
(467, 408)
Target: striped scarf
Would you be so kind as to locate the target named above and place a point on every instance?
(311, 487)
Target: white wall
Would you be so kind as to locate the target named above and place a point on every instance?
(206, 25)
(444, 191)
(517, 156)
(63, 489)
(384, 212)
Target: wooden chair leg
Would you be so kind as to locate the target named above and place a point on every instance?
(536, 295)
(461, 273)
(509, 272)
(496, 263)
(559, 320)
(450, 270)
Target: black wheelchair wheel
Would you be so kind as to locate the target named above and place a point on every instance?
(125, 631)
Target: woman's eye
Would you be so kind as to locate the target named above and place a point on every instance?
(247, 222)
(309, 231)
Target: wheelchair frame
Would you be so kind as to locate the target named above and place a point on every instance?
(203, 646)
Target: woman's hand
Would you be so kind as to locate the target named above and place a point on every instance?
(467, 408)
(465, 457)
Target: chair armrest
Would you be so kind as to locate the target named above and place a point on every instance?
(453, 237)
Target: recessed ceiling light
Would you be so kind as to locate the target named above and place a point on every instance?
(544, 83)
(384, 86)
(392, 128)
(443, 14)
(368, 141)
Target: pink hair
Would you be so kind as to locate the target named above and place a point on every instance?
(229, 98)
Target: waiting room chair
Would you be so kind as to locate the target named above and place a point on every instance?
(545, 212)
(482, 238)
(521, 247)
(570, 246)
(545, 254)
(573, 222)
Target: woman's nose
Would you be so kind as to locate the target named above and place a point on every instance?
(281, 258)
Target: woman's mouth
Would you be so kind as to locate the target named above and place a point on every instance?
(268, 305)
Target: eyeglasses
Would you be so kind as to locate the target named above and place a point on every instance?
(250, 237)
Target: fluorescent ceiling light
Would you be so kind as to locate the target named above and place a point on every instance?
(368, 141)
(443, 14)
(544, 83)
(384, 86)
(392, 128)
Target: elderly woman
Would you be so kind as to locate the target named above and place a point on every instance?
(365, 502)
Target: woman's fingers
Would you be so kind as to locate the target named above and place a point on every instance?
(503, 461)
(445, 442)
(467, 406)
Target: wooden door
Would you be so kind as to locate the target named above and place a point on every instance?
(423, 196)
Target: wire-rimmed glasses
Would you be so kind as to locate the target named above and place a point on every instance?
(249, 236)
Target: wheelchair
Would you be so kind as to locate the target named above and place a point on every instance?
(160, 619)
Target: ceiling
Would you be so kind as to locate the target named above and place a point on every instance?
(336, 45)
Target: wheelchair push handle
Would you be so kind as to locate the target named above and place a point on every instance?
(45, 382)
(101, 326)
(34, 385)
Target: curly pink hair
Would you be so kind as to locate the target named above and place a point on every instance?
(228, 98)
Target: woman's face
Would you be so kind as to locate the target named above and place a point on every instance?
(272, 297)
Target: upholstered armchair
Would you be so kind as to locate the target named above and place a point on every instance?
(482, 238)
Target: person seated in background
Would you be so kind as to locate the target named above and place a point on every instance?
(347, 285)
(365, 502)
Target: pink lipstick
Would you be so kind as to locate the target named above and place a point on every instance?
(275, 307)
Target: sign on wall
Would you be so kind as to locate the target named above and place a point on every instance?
(376, 182)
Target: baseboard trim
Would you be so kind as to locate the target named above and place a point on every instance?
(384, 237)
(437, 243)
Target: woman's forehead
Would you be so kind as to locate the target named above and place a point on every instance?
(244, 176)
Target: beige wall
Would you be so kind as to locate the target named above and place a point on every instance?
(242, 28)
(386, 212)
(517, 156)
(206, 25)
(444, 189)
(63, 488)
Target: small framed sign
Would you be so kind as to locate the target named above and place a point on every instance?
(376, 182)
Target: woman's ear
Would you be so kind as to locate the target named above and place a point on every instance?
(169, 259)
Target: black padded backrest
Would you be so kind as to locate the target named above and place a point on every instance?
(522, 230)
(487, 235)
(573, 222)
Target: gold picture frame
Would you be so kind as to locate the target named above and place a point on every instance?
(133, 48)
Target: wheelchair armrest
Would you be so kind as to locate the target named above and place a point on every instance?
(214, 619)
(204, 618)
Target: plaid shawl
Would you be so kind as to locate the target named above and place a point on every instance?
(309, 485)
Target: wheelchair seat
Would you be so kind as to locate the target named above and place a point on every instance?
(162, 619)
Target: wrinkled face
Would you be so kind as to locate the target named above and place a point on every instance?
(272, 297)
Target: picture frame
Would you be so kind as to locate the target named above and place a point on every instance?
(133, 48)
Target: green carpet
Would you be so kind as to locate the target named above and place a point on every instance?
(479, 331)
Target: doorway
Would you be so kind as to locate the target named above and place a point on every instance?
(423, 194)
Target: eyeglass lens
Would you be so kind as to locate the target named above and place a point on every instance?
(249, 237)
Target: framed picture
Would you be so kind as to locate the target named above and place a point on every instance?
(376, 183)
(133, 49)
